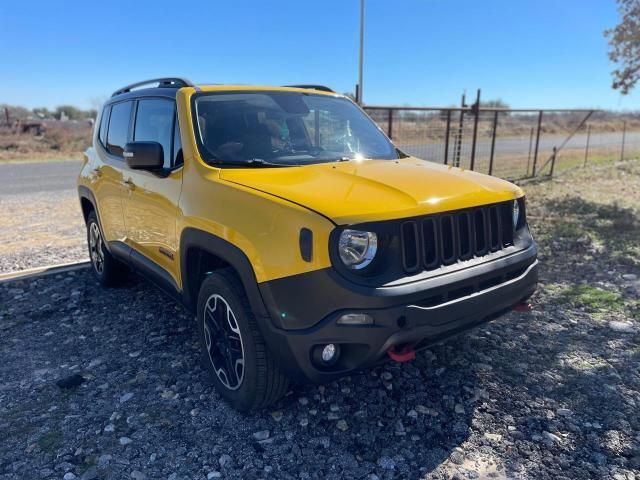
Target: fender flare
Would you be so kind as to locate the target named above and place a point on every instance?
(236, 258)
(87, 194)
(84, 192)
(226, 251)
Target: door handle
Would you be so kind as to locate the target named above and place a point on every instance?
(129, 184)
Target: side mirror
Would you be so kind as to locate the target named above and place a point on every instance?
(144, 155)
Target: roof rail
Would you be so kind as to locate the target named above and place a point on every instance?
(167, 82)
(321, 88)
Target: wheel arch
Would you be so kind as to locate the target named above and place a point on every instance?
(202, 252)
(87, 202)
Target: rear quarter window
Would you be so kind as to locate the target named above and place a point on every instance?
(104, 124)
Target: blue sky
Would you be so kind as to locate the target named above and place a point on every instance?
(535, 53)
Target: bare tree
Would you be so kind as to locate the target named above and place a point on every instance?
(497, 103)
(624, 43)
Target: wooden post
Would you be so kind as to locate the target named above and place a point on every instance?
(586, 148)
(535, 155)
(553, 161)
(624, 135)
(493, 141)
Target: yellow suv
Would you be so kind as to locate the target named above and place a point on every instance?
(305, 242)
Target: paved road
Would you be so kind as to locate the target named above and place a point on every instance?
(520, 145)
(32, 177)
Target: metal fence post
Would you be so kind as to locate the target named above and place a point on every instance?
(390, 124)
(624, 134)
(474, 141)
(535, 155)
(456, 163)
(553, 161)
(586, 148)
(446, 140)
(529, 154)
(493, 141)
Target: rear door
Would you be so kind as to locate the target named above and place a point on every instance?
(151, 205)
(108, 179)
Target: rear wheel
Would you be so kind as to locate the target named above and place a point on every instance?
(233, 350)
(109, 271)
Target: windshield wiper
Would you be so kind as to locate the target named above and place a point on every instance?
(252, 162)
(313, 151)
(261, 161)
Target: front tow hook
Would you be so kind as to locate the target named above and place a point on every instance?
(402, 353)
(522, 307)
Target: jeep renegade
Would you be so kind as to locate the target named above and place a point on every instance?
(307, 245)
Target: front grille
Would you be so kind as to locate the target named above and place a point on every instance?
(443, 239)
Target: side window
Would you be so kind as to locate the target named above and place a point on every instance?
(118, 127)
(104, 123)
(154, 123)
(178, 159)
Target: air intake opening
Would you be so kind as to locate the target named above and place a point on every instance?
(491, 282)
(447, 240)
(410, 257)
(481, 232)
(430, 244)
(464, 234)
(461, 292)
(494, 229)
(506, 216)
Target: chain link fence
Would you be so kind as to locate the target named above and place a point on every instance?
(510, 143)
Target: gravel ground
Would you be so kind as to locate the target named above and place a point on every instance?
(39, 229)
(552, 393)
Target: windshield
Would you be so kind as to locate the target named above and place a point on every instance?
(284, 129)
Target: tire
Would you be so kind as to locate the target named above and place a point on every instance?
(110, 272)
(234, 353)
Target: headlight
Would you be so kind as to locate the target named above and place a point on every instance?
(516, 213)
(357, 249)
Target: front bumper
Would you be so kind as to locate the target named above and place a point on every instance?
(419, 313)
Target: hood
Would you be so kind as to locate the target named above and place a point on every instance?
(361, 191)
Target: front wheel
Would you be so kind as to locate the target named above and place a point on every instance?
(233, 350)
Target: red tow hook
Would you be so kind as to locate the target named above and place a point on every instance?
(522, 307)
(403, 353)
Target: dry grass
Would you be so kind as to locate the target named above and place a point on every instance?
(54, 143)
(608, 184)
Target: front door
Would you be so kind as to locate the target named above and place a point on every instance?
(151, 205)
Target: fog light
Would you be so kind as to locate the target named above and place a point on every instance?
(329, 352)
(355, 319)
(325, 356)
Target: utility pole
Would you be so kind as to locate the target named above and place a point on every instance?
(361, 60)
